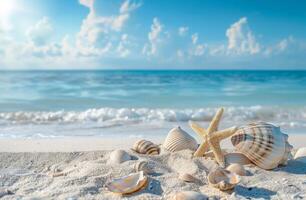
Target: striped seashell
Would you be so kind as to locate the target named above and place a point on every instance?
(143, 166)
(118, 156)
(177, 140)
(223, 179)
(146, 147)
(263, 143)
(128, 184)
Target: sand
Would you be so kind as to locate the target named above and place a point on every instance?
(83, 174)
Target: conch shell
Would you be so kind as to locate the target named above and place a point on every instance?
(128, 184)
(177, 140)
(223, 179)
(263, 143)
(146, 147)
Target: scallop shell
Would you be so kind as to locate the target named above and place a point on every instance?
(189, 195)
(146, 147)
(143, 166)
(187, 177)
(177, 139)
(263, 143)
(118, 156)
(223, 179)
(238, 158)
(237, 168)
(128, 184)
(300, 155)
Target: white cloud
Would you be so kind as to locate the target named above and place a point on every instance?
(94, 30)
(280, 47)
(194, 38)
(183, 30)
(127, 6)
(196, 49)
(41, 32)
(240, 39)
(88, 3)
(154, 38)
(122, 46)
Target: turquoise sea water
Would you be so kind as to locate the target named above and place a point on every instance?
(40, 103)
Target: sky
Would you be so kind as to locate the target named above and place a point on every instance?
(152, 34)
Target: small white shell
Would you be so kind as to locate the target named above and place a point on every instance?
(187, 177)
(263, 143)
(128, 184)
(118, 156)
(146, 147)
(177, 140)
(237, 168)
(300, 155)
(223, 179)
(238, 158)
(143, 166)
(189, 195)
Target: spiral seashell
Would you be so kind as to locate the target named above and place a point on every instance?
(177, 140)
(188, 195)
(187, 177)
(146, 147)
(128, 184)
(118, 156)
(263, 143)
(237, 168)
(223, 179)
(143, 166)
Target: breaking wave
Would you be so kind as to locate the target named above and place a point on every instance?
(146, 114)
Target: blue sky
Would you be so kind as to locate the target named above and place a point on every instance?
(152, 34)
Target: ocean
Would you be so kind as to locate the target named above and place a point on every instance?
(144, 103)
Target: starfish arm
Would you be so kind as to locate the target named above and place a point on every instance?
(198, 129)
(216, 149)
(215, 121)
(201, 149)
(223, 134)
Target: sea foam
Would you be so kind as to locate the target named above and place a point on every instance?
(232, 114)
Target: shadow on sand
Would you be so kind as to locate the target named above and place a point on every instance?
(253, 192)
(294, 167)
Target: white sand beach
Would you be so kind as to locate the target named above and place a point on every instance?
(27, 165)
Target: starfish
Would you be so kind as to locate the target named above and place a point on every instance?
(212, 137)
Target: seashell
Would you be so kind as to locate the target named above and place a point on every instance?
(146, 147)
(119, 156)
(189, 195)
(237, 168)
(223, 179)
(128, 184)
(143, 166)
(263, 143)
(300, 155)
(177, 140)
(187, 177)
(238, 158)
